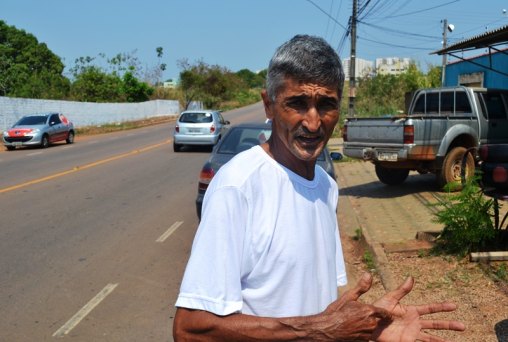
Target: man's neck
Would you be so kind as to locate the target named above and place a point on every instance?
(302, 168)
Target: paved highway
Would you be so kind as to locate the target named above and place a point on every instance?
(94, 236)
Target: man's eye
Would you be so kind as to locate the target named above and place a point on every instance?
(327, 105)
(297, 104)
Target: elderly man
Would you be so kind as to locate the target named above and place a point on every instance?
(267, 258)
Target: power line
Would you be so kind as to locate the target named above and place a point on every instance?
(327, 14)
(399, 31)
(420, 11)
(395, 45)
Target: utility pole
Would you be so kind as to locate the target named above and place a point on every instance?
(443, 69)
(352, 62)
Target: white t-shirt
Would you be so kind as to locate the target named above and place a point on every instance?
(268, 243)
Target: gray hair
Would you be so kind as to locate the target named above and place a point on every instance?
(304, 58)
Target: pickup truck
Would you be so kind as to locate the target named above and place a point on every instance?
(440, 125)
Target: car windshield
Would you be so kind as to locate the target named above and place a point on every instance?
(240, 139)
(32, 120)
(196, 117)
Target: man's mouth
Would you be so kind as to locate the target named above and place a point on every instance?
(309, 139)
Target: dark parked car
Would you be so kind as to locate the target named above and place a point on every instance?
(239, 138)
(39, 130)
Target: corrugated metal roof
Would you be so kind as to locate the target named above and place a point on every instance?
(489, 38)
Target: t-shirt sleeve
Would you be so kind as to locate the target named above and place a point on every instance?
(212, 279)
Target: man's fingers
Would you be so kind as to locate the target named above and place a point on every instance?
(363, 285)
(442, 325)
(435, 307)
(402, 290)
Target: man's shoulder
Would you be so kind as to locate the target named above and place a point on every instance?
(243, 166)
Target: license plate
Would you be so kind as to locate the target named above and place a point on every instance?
(387, 156)
(17, 143)
(193, 130)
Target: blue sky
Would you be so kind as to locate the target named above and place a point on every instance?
(239, 34)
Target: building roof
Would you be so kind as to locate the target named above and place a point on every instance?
(488, 39)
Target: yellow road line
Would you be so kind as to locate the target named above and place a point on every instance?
(81, 167)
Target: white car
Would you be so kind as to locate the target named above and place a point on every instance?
(199, 127)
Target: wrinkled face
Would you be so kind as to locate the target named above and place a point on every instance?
(304, 116)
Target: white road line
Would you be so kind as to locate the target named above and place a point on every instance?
(170, 231)
(84, 311)
(33, 154)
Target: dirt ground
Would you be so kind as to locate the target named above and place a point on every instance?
(482, 302)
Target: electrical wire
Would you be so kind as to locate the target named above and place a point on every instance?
(395, 45)
(420, 11)
(327, 14)
(399, 32)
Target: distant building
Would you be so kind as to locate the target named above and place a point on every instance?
(392, 65)
(362, 67)
(170, 83)
(475, 72)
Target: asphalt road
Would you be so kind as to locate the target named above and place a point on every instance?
(94, 236)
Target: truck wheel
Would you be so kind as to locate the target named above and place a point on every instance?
(390, 176)
(452, 168)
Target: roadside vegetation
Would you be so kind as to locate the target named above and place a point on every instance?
(471, 223)
(29, 69)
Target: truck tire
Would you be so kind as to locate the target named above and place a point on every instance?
(391, 176)
(452, 168)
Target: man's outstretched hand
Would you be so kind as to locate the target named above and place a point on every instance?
(406, 321)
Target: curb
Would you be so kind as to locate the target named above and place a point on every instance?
(377, 250)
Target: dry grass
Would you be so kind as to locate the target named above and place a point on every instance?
(121, 126)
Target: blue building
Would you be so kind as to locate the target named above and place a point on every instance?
(489, 70)
(479, 71)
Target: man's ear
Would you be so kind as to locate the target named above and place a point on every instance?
(267, 102)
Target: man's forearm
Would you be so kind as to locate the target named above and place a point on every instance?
(196, 325)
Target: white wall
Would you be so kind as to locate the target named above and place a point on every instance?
(85, 113)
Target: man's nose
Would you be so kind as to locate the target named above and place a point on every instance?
(312, 120)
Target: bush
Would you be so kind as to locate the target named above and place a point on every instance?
(467, 219)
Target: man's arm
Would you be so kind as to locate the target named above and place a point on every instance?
(356, 321)
(345, 319)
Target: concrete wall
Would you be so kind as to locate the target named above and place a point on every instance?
(85, 113)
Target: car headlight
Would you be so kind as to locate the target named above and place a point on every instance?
(6, 134)
(33, 131)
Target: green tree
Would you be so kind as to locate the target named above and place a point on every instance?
(252, 79)
(133, 90)
(211, 84)
(386, 94)
(92, 84)
(28, 68)
(434, 76)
